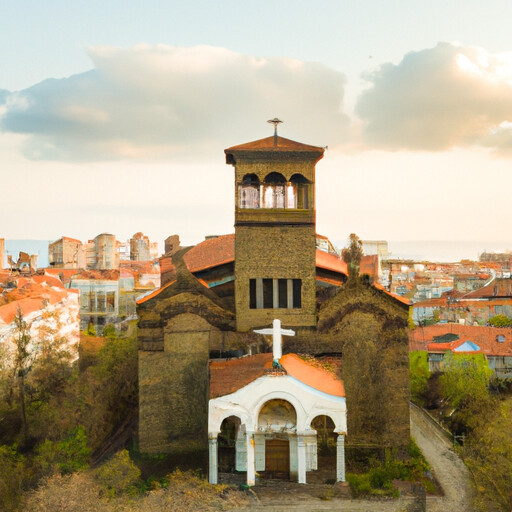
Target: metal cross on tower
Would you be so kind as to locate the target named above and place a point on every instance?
(275, 122)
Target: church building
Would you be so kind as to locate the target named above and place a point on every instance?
(207, 379)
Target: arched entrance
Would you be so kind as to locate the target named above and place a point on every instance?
(227, 440)
(326, 453)
(274, 441)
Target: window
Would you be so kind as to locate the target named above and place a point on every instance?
(268, 293)
(275, 192)
(101, 302)
(111, 301)
(92, 301)
(275, 293)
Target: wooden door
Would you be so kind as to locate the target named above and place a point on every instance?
(277, 458)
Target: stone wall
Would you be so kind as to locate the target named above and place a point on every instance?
(286, 252)
(173, 388)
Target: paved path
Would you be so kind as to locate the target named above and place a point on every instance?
(449, 469)
(435, 445)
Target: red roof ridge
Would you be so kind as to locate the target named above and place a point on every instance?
(154, 293)
(267, 144)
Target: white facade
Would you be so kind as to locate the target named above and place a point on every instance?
(255, 428)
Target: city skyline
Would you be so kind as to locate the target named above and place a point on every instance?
(114, 118)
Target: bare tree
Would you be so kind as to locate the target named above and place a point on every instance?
(22, 361)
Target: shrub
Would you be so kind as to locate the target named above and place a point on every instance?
(118, 475)
(69, 455)
(419, 375)
(500, 321)
(11, 478)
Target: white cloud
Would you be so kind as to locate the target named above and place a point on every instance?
(439, 98)
(161, 101)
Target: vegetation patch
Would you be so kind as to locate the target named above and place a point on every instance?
(378, 481)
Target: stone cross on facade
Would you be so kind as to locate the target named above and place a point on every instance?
(277, 334)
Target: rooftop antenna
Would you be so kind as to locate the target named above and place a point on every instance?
(275, 122)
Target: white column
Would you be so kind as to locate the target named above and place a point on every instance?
(340, 458)
(213, 466)
(251, 472)
(301, 460)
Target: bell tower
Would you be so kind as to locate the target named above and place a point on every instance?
(275, 270)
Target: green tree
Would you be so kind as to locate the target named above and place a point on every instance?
(500, 321)
(465, 386)
(488, 454)
(352, 255)
(52, 368)
(419, 375)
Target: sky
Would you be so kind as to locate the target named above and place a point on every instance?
(114, 115)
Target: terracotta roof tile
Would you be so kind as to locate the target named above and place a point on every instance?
(422, 338)
(221, 250)
(98, 275)
(228, 376)
(330, 262)
(313, 376)
(267, 144)
(497, 288)
(399, 298)
(211, 253)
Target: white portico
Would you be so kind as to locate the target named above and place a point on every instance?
(274, 400)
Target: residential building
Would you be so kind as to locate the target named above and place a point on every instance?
(493, 342)
(49, 310)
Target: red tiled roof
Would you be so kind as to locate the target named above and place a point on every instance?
(49, 280)
(313, 376)
(330, 262)
(66, 273)
(228, 376)
(421, 338)
(399, 298)
(497, 288)
(369, 265)
(431, 303)
(98, 275)
(145, 298)
(30, 297)
(221, 250)
(211, 253)
(267, 144)
(145, 267)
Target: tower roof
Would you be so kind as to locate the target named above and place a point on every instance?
(267, 144)
(273, 144)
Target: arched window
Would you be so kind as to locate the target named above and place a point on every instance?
(249, 192)
(302, 189)
(273, 194)
(228, 437)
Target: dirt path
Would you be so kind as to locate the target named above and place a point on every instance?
(447, 466)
